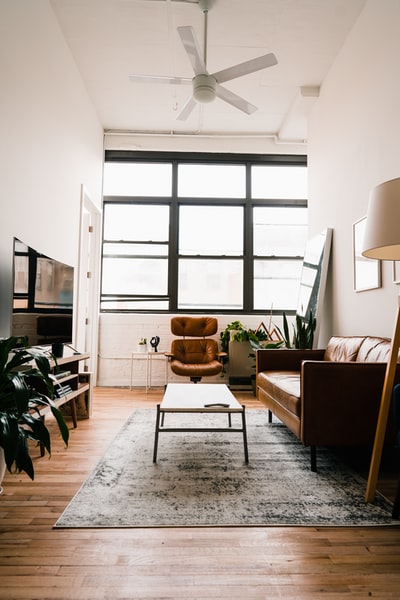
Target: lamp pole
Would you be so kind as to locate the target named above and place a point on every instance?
(382, 242)
(384, 411)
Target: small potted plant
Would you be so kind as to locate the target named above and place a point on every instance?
(142, 345)
(25, 387)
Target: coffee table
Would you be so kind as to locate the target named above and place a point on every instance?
(199, 398)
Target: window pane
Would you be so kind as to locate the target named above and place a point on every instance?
(137, 179)
(276, 284)
(211, 230)
(279, 182)
(21, 269)
(120, 304)
(210, 284)
(140, 222)
(135, 276)
(128, 250)
(212, 181)
(280, 231)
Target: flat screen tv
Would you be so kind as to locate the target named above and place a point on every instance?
(42, 297)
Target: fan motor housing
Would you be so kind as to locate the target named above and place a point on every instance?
(205, 5)
(204, 87)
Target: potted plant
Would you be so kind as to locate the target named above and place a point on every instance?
(25, 387)
(142, 345)
(257, 338)
(303, 332)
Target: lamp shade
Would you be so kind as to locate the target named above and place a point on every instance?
(382, 229)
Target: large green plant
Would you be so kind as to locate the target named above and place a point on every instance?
(25, 387)
(241, 334)
(258, 338)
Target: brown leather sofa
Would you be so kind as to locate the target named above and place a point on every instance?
(327, 397)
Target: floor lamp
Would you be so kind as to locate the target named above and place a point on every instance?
(382, 241)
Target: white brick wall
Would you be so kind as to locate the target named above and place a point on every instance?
(118, 338)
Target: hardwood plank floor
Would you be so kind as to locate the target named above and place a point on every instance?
(37, 562)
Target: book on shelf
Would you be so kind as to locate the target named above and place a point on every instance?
(62, 390)
(62, 374)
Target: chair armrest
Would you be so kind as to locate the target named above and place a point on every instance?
(285, 359)
(168, 355)
(221, 355)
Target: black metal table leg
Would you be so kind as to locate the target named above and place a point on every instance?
(156, 434)
(246, 451)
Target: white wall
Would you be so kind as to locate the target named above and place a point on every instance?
(118, 338)
(51, 140)
(353, 146)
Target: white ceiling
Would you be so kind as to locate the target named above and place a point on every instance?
(112, 39)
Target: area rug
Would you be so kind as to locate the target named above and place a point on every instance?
(201, 479)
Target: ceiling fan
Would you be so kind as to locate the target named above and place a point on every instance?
(207, 86)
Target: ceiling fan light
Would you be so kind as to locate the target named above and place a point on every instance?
(205, 5)
(204, 87)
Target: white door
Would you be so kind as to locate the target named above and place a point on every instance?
(86, 323)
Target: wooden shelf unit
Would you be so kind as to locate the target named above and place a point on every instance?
(75, 383)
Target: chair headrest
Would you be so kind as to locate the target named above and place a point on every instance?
(194, 326)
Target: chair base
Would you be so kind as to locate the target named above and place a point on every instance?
(195, 379)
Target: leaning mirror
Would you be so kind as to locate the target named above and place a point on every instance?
(313, 277)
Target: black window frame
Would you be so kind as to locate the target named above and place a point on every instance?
(174, 201)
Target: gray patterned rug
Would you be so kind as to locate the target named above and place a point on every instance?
(201, 479)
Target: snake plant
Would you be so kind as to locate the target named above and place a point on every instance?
(303, 332)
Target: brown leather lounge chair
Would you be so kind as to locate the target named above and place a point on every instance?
(195, 354)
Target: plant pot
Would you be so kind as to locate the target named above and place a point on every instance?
(3, 467)
(142, 348)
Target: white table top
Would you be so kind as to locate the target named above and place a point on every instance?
(187, 397)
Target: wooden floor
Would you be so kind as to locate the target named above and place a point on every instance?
(37, 562)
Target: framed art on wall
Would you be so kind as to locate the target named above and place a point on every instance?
(367, 271)
(396, 271)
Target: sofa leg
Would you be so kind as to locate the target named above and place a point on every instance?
(269, 416)
(313, 458)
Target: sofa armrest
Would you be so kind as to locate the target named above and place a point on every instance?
(340, 401)
(285, 359)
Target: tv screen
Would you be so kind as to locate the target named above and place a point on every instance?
(42, 298)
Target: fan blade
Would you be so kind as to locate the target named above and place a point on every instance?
(249, 66)
(192, 48)
(187, 109)
(235, 100)
(159, 79)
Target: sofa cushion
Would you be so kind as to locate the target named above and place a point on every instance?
(374, 349)
(341, 349)
(283, 387)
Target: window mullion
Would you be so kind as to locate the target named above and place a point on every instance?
(173, 242)
(248, 269)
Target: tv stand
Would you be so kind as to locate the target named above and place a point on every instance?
(70, 384)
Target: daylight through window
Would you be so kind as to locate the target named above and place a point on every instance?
(201, 233)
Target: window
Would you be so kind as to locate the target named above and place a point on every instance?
(201, 233)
